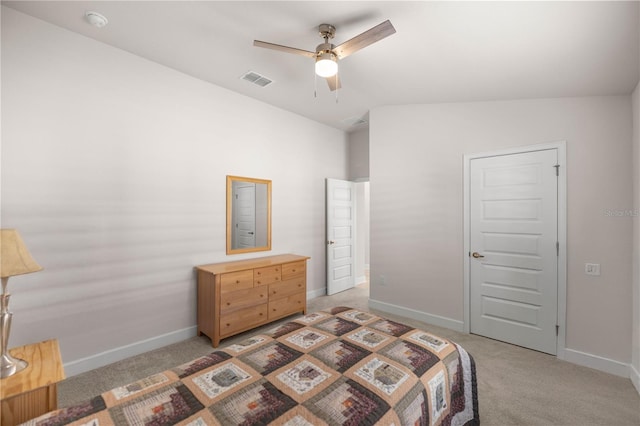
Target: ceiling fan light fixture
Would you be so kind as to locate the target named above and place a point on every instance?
(326, 65)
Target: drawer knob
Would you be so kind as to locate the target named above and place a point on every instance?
(274, 292)
(237, 281)
(228, 303)
(228, 325)
(259, 273)
(262, 295)
(299, 285)
(274, 309)
(293, 270)
(260, 313)
(277, 269)
(258, 282)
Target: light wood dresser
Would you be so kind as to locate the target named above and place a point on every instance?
(33, 391)
(237, 296)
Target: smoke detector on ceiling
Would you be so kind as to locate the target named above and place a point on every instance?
(96, 19)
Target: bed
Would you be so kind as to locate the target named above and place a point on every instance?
(336, 367)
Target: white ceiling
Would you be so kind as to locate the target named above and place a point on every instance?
(442, 51)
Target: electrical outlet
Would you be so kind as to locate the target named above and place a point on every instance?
(592, 268)
(382, 280)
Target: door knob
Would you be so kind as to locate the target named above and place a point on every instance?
(476, 255)
(331, 242)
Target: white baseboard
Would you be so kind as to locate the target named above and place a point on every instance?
(312, 294)
(82, 365)
(597, 362)
(417, 315)
(634, 375)
(112, 355)
(570, 355)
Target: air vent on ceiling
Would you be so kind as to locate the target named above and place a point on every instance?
(257, 79)
(355, 121)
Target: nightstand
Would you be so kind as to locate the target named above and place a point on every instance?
(33, 391)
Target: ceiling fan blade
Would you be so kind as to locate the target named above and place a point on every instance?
(363, 40)
(286, 49)
(333, 82)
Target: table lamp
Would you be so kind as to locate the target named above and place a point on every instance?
(15, 259)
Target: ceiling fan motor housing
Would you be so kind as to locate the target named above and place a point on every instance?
(325, 48)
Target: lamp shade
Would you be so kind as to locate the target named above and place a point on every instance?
(326, 65)
(15, 259)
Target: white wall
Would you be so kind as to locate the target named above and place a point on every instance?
(359, 155)
(635, 337)
(416, 155)
(113, 170)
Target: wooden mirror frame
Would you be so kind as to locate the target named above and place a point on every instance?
(230, 249)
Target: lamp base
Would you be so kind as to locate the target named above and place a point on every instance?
(10, 365)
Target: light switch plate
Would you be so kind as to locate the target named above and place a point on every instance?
(592, 268)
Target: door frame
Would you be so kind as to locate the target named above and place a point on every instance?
(561, 148)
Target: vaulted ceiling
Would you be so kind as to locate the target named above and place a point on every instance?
(441, 52)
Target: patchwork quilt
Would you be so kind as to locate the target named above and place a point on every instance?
(336, 367)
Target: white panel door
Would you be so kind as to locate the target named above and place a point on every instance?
(245, 208)
(340, 235)
(513, 237)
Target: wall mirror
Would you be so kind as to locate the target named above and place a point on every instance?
(248, 215)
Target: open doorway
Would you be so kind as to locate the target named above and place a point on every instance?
(347, 232)
(362, 235)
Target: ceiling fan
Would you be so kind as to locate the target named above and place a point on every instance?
(327, 55)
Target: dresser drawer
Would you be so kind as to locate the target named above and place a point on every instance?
(286, 288)
(242, 319)
(236, 281)
(294, 269)
(268, 275)
(235, 300)
(287, 305)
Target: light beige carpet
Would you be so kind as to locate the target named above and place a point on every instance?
(516, 386)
